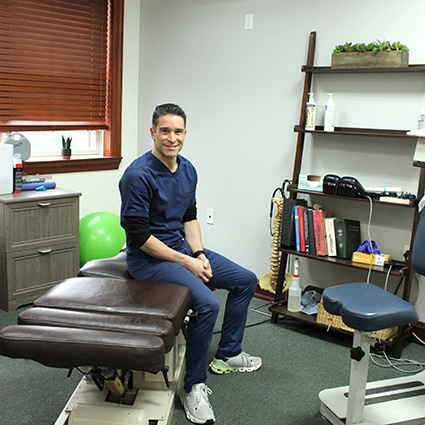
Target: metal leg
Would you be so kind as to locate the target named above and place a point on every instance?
(358, 377)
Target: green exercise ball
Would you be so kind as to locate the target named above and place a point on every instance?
(101, 236)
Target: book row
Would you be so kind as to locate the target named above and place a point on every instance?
(318, 232)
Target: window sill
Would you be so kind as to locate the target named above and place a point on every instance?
(73, 165)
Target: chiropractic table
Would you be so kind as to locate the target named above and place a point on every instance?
(124, 335)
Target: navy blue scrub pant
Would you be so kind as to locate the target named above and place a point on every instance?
(240, 283)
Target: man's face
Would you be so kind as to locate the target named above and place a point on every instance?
(168, 137)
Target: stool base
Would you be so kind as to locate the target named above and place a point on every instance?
(388, 402)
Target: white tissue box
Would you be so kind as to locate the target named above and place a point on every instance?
(310, 182)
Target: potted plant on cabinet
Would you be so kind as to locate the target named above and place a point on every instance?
(66, 148)
(378, 54)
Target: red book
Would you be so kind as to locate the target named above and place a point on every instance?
(301, 227)
(319, 231)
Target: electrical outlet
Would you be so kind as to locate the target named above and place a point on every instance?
(210, 216)
(249, 21)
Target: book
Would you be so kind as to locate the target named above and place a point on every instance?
(311, 232)
(330, 236)
(347, 236)
(319, 231)
(301, 228)
(287, 228)
(296, 229)
(306, 232)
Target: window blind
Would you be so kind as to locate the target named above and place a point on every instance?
(54, 64)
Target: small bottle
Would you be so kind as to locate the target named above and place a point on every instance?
(310, 113)
(294, 293)
(17, 173)
(330, 114)
(421, 118)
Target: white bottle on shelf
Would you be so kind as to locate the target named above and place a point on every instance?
(294, 292)
(421, 118)
(330, 114)
(310, 113)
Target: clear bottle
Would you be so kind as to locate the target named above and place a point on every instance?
(310, 113)
(330, 114)
(294, 292)
(421, 118)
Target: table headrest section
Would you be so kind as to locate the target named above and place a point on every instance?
(113, 267)
(120, 296)
(72, 347)
(366, 307)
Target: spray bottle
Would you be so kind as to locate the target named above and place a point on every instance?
(310, 113)
(294, 293)
(330, 114)
(421, 118)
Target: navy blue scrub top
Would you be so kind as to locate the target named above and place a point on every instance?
(149, 189)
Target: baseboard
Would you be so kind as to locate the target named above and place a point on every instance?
(263, 295)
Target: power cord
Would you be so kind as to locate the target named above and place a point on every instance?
(396, 363)
(369, 237)
(422, 342)
(256, 309)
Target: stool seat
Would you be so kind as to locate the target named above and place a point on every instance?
(366, 307)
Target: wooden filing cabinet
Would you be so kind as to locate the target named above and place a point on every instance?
(39, 243)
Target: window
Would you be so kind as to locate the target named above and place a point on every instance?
(60, 73)
(48, 144)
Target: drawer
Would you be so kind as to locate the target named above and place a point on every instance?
(30, 273)
(34, 223)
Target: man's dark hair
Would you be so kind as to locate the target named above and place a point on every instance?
(166, 109)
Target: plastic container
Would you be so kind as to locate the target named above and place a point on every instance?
(421, 118)
(330, 114)
(17, 173)
(294, 293)
(310, 114)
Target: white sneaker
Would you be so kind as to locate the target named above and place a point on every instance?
(243, 362)
(197, 406)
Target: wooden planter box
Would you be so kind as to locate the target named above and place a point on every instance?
(389, 59)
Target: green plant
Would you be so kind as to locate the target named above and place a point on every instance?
(66, 144)
(374, 46)
(398, 46)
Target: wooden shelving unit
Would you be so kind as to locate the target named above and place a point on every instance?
(279, 305)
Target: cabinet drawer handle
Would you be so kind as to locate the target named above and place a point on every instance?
(44, 204)
(45, 251)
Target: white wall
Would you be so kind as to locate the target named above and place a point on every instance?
(241, 91)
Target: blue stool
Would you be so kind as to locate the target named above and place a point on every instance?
(366, 308)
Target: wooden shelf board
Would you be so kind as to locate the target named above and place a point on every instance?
(357, 131)
(293, 188)
(344, 262)
(330, 70)
(280, 309)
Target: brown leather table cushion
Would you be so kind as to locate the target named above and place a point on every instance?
(120, 296)
(70, 347)
(113, 267)
(100, 321)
